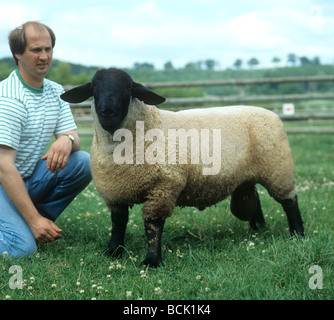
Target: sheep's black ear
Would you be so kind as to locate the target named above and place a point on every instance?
(78, 94)
(146, 95)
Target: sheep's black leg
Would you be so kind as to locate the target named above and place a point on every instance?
(258, 220)
(292, 211)
(153, 230)
(119, 218)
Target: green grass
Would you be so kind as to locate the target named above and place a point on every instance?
(208, 255)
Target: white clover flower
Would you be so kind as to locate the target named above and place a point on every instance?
(158, 290)
(250, 245)
(178, 253)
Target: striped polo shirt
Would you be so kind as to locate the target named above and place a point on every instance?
(29, 117)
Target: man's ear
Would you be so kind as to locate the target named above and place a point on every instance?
(146, 95)
(18, 56)
(78, 94)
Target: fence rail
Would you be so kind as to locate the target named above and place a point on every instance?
(242, 98)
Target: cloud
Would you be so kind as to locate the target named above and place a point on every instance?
(251, 30)
(110, 35)
(281, 30)
(13, 14)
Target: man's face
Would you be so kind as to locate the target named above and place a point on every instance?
(36, 60)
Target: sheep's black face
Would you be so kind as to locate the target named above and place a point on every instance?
(112, 90)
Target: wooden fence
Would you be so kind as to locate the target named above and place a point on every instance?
(82, 113)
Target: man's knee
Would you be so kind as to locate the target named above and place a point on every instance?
(17, 246)
(81, 161)
(27, 249)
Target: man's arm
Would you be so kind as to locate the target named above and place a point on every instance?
(43, 229)
(60, 150)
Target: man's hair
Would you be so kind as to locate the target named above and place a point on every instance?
(18, 41)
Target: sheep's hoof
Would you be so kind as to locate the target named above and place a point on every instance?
(151, 262)
(298, 232)
(114, 253)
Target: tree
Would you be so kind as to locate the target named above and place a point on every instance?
(237, 64)
(292, 58)
(253, 62)
(304, 61)
(143, 66)
(61, 73)
(168, 66)
(210, 64)
(192, 66)
(276, 61)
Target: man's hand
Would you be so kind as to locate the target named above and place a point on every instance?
(58, 154)
(44, 230)
(60, 151)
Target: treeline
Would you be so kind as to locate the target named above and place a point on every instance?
(74, 74)
(210, 64)
(291, 60)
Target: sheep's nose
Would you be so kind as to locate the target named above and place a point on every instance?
(107, 114)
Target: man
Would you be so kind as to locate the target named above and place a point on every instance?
(35, 189)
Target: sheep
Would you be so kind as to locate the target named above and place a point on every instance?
(253, 149)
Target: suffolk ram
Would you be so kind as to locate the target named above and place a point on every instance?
(141, 154)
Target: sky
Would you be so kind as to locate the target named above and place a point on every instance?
(119, 33)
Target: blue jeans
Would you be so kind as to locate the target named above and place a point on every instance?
(51, 194)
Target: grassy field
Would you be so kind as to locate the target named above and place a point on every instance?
(208, 255)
